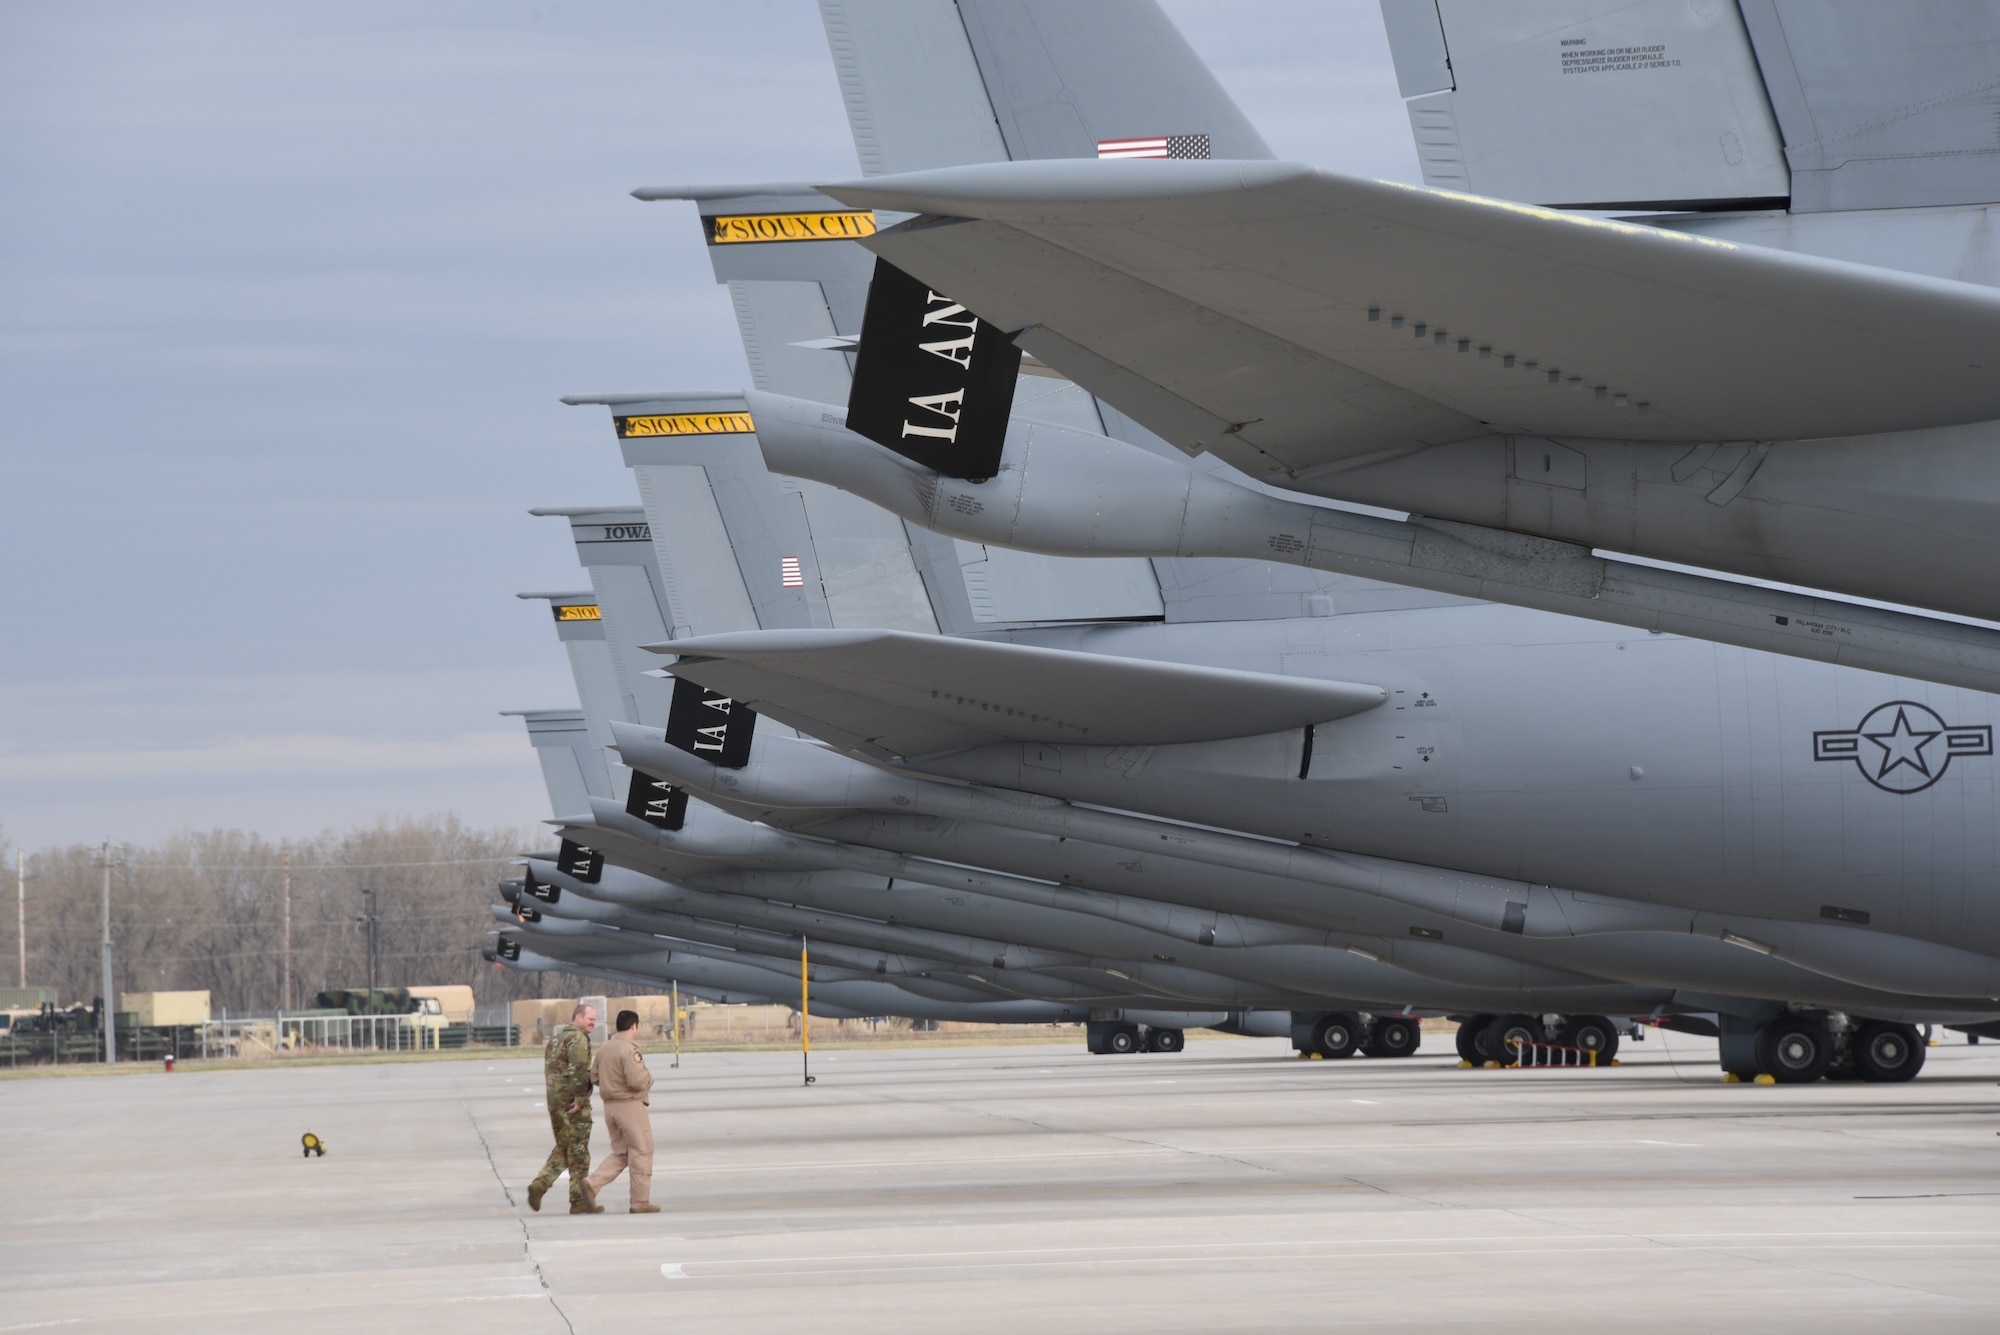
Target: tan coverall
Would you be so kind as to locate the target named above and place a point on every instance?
(622, 1082)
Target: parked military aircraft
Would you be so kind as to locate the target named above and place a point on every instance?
(865, 694)
(1793, 383)
(741, 940)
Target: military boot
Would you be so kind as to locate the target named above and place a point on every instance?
(535, 1193)
(644, 1209)
(589, 1206)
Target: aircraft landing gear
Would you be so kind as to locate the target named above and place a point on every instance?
(1110, 1036)
(1394, 1036)
(1507, 1035)
(1795, 1050)
(1122, 1036)
(1591, 1033)
(1471, 1039)
(1799, 1049)
(1886, 1053)
(1336, 1034)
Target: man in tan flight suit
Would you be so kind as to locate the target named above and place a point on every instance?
(622, 1082)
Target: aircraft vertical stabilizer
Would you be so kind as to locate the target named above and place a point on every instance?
(1603, 104)
(579, 621)
(1808, 105)
(572, 767)
(1882, 106)
(615, 546)
(930, 83)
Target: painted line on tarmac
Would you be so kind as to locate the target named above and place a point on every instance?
(1151, 1150)
(985, 1195)
(1372, 1240)
(756, 1268)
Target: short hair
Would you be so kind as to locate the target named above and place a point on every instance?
(581, 1007)
(627, 1020)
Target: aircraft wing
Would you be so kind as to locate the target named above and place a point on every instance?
(895, 693)
(1290, 319)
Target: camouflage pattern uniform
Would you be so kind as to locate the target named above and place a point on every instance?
(566, 1071)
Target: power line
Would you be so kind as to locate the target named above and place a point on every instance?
(326, 866)
(440, 953)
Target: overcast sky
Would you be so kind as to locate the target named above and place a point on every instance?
(288, 294)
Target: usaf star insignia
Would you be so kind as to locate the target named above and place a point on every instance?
(1902, 747)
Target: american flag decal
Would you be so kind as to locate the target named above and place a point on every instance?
(789, 573)
(1159, 146)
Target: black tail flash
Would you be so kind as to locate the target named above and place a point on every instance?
(656, 802)
(585, 864)
(932, 381)
(710, 725)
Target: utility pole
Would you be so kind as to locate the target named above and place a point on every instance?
(805, 1010)
(21, 912)
(372, 920)
(105, 861)
(285, 972)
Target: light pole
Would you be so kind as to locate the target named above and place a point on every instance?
(285, 970)
(372, 920)
(105, 861)
(21, 912)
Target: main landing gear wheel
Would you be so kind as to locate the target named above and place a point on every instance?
(1125, 1038)
(1509, 1038)
(1795, 1050)
(1394, 1036)
(1471, 1039)
(1592, 1033)
(1337, 1035)
(1886, 1053)
(1165, 1040)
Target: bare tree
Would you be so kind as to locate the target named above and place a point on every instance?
(205, 911)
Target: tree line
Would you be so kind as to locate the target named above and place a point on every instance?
(206, 910)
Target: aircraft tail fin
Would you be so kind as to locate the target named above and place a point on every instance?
(1809, 105)
(933, 83)
(580, 626)
(614, 544)
(573, 767)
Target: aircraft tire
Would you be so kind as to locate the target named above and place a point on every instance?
(1592, 1033)
(1795, 1050)
(1165, 1040)
(1504, 1027)
(1471, 1039)
(1886, 1053)
(1394, 1036)
(1337, 1034)
(1123, 1039)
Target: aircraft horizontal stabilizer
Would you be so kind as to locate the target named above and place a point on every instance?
(914, 695)
(1289, 319)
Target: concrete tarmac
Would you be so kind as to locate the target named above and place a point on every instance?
(1228, 1187)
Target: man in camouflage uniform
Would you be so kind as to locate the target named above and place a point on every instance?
(566, 1071)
